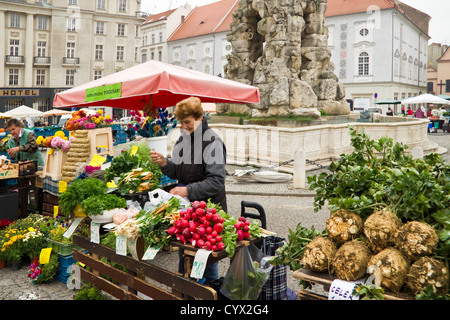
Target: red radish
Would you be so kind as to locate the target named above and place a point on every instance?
(216, 218)
(214, 233)
(240, 235)
(202, 204)
(208, 210)
(196, 236)
(201, 230)
(184, 223)
(246, 228)
(220, 246)
(206, 223)
(200, 212)
(195, 205)
(242, 219)
(213, 210)
(181, 238)
(246, 235)
(213, 247)
(172, 231)
(178, 224)
(207, 245)
(208, 216)
(194, 216)
(209, 230)
(218, 227)
(190, 210)
(200, 243)
(212, 240)
(218, 238)
(237, 225)
(192, 226)
(186, 234)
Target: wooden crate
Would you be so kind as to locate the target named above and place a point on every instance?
(11, 173)
(101, 142)
(54, 163)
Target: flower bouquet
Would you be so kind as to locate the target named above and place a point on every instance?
(80, 120)
(33, 242)
(148, 127)
(58, 141)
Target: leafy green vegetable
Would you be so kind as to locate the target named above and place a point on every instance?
(96, 204)
(291, 253)
(80, 190)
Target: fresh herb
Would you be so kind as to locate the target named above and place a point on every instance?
(96, 204)
(370, 292)
(80, 190)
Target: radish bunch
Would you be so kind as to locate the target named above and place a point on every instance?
(201, 225)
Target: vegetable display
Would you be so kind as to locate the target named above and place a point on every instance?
(390, 217)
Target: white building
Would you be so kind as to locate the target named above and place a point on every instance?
(155, 31)
(200, 43)
(379, 49)
(50, 45)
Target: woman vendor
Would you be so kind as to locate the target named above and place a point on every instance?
(22, 144)
(198, 163)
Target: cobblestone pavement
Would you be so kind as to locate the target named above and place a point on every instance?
(285, 207)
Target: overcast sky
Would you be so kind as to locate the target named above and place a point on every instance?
(439, 11)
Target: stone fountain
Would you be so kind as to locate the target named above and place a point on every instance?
(281, 47)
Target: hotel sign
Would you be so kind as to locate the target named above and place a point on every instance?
(19, 92)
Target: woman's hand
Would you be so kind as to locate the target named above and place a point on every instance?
(12, 152)
(158, 158)
(179, 191)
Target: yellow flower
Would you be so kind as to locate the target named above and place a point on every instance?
(100, 111)
(101, 118)
(31, 229)
(39, 140)
(97, 120)
(107, 117)
(60, 134)
(156, 128)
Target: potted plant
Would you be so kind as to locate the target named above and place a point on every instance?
(13, 248)
(33, 242)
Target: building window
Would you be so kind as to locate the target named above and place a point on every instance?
(70, 77)
(100, 29)
(363, 64)
(13, 77)
(13, 47)
(152, 55)
(160, 55)
(122, 5)
(363, 32)
(41, 47)
(120, 29)
(71, 24)
(144, 57)
(153, 38)
(70, 49)
(15, 20)
(120, 51)
(447, 85)
(98, 74)
(73, 2)
(98, 52)
(40, 77)
(101, 4)
(42, 23)
(430, 87)
(160, 37)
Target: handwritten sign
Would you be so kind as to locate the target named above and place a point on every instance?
(95, 232)
(62, 186)
(199, 265)
(150, 253)
(121, 245)
(44, 256)
(342, 290)
(133, 151)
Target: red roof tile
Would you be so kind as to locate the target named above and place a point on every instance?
(159, 16)
(341, 7)
(210, 18)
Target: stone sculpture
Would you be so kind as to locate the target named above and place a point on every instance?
(281, 46)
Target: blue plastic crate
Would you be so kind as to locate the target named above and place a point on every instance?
(166, 181)
(64, 263)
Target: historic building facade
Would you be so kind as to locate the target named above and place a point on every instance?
(51, 45)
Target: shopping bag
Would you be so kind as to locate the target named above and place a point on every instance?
(158, 196)
(247, 274)
(276, 286)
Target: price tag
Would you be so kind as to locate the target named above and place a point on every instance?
(150, 253)
(97, 161)
(62, 186)
(199, 265)
(44, 256)
(131, 244)
(95, 232)
(55, 211)
(342, 290)
(111, 184)
(134, 150)
(121, 245)
(72, 227)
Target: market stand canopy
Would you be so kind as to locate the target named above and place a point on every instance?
(55, 112)
(23, 112)
(425, 98)
(156, 83)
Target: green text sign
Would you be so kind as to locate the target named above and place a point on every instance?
(110, 91)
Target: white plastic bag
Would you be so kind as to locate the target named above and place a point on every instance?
(157, 196)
